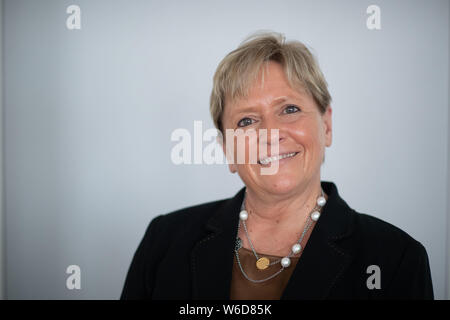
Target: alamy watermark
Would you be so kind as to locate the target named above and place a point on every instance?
(374, 280)
(238, 147)
(73, 281)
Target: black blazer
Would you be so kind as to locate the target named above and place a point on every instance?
(188, 254)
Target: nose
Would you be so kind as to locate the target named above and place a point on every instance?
(271, 132)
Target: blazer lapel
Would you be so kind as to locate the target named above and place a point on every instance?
(212, 257)
(323, 261)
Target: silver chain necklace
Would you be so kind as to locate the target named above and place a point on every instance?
(264, 262)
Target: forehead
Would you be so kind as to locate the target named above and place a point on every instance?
(271, 86)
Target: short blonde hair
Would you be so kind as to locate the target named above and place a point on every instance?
(239, 69)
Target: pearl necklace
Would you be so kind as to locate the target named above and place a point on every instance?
(263, 263)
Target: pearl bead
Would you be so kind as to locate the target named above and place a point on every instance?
(321, 201)
(296, 248)
(243, 215)
(285, 262)
(315, 215)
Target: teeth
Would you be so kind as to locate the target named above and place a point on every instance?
(275, 158)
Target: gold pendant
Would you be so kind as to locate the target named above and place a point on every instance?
(262, 263)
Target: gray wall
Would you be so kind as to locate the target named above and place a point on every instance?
(88, 116)
(448, 187)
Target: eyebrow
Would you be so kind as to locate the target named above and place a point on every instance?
(276, 101)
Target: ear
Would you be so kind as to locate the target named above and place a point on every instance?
(231, 166)
(327, 125)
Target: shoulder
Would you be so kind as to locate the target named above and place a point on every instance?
(376, 228)
(378, 237)
(188, 221)
(364, 232)
(192, 216)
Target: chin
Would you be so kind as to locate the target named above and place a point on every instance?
(282, 186)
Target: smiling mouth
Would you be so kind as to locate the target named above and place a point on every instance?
(279, 157)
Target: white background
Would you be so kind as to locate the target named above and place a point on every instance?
(88, 114)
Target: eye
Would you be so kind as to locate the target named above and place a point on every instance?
(245, 122)
(291, 109)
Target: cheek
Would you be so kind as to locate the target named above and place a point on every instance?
(307, 135)
(246, 149)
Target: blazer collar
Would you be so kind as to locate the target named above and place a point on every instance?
(321, 264)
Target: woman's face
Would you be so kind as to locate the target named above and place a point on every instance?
(303, 131)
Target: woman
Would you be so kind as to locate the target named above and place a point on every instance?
(285, 235)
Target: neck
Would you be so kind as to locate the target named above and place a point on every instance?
(271, 212)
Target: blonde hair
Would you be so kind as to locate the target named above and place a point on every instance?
(239, 69)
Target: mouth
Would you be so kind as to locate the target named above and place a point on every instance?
(266, 161)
